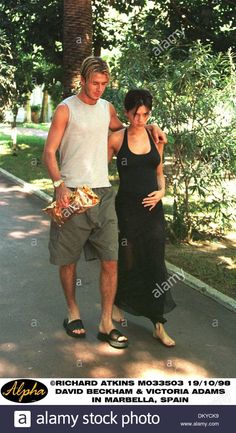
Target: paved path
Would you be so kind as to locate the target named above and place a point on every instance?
(34, 344)
(5, 129)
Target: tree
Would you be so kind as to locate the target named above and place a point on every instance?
(7, 70)
(22, 56)
(195, 102)
(108, 26)
(34, 32)
(156, 26)
(77, 40)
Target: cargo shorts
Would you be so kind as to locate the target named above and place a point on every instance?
(95, 231)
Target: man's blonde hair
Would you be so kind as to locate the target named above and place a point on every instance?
(93, 64)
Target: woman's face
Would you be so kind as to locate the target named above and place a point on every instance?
(139, 117)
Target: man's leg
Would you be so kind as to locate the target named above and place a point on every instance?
(108, 283)
(68, 281)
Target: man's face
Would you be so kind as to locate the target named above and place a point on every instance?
(95, 85)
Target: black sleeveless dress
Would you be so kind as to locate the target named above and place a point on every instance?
(141, 267)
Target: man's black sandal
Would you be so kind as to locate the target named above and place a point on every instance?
(113, 339)
(73, 326)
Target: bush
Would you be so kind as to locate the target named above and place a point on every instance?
(195, 102)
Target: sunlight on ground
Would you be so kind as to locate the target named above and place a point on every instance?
(231, 236)
(4, 150)
(7, 369)
(29, 218)
(101, 360)
(21, 235)
(106, 349)
(206, 246)
(103, 372)
(75, 350)
(42, 183)
(24, 146)
(178, 367)
(8, 347)
(101, 349)
(228, 262)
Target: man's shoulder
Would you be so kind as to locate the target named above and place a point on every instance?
(104, 102)
(68, 100)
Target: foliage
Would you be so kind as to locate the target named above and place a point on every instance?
(195, 101)
(6, 73)
(34, 33)
(36, 108)
(202, 20)
(206, 21)
(110, 21)
(35, 30)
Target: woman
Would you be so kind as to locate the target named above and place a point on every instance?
(142, 269)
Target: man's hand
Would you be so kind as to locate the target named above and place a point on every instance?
(152, 199)
(159, 136)
(63, 195)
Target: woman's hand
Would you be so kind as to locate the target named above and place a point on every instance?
(152, 199)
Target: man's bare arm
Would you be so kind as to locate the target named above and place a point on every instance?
(56, 132)
(159, 136)
(115, 123)
(114, 143)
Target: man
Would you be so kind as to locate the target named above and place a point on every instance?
(79, 131)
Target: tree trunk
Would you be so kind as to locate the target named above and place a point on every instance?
(14, 131)
(44, 109)
(28, 109)
(97, 49)
(77, 41)
(187, 213)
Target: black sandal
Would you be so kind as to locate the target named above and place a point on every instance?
(113, 339)
(72, 326)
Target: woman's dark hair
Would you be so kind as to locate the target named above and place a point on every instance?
(135, 98)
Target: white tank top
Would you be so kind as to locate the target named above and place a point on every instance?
(83, 149)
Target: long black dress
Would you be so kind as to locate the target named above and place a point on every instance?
(141, 266)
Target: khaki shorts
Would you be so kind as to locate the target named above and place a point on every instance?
(95, 230)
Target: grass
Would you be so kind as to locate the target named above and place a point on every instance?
(212, 261)
(27, 165)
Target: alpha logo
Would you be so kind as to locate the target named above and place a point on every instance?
(24, 391)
